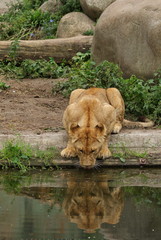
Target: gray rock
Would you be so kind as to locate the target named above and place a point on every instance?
(74, 24)
(94, 8)
(129, 33)
(5, 4)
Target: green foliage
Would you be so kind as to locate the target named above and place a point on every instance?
(20, 154)
(142, 97)
(25, 21)
(32, 69)
(3, 86)
(23, 24)
(16, 153)
(13, 49)
(88, 33)
(31, 4)
(70, 6)
(126, 153)
(46, 155)
(84, 73)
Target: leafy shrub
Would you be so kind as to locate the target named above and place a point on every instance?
(88, 33)
(3, 86)
(24, 24)
(20, 154)
(84, 73)
(16, 154)
(41, 68)
(32, 69)
(70, 6)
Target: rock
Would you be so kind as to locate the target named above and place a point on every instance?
(129, 33)
(51, 6)
(5, 5)
(74, 24)
(94, 8)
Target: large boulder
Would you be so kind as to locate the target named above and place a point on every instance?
(51, 6)
(74, 24)
(129, 33)
(94, 8)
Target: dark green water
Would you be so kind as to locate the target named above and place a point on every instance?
(77, 204)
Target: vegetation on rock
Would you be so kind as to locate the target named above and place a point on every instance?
(19, 155)
(25, 21)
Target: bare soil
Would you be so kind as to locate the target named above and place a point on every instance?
(29, 105)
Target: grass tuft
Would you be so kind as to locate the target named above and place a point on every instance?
(20, 154)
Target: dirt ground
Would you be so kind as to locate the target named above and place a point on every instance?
(29, 105)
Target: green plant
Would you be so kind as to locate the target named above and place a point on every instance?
(32, 69)
(3, 86)
(88, 32)
(20, 154)
(84, 73)
(16, 153)
(70, 6)
(23, 24)
(47, 155)
(126, 153)
(142, 97)
(13, 49)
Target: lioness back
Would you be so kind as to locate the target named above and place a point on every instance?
(98, 93)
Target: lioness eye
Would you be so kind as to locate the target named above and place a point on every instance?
(81, 150)
(92, 151)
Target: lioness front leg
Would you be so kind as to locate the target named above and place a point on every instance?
(104, 152)
(69, 151)
(116, 100)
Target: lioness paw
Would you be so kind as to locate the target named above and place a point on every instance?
(105, 153)
(68, 152)
(117, 127)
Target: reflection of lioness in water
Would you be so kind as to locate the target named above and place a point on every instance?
(89, 119)
(90, 203)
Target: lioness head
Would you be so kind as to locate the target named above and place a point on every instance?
(88, 143)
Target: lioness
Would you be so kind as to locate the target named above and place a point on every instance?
(91, 116)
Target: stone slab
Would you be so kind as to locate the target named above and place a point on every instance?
(148, 140)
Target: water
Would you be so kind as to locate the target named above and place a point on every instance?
(78, 204)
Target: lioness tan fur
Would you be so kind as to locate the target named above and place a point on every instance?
(91, 116)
